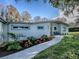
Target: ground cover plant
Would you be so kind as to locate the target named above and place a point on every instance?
(15, 45)
(68, 48)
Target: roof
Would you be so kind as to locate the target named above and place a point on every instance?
(33, 22)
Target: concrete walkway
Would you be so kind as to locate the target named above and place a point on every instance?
(32, 51)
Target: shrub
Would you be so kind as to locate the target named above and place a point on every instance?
(31, 39)
(26, 44)
(50, 37)
(76, 36)
(71, 54)
(13, 46)
(30, 42)
(44, 37)
(12, 35)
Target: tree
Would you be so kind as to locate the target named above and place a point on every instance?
(1, 10)
(44, 19)
(67, 5)
(26, 16)
(77, 21)
(61, 19)
(37, 18)
(12, 13)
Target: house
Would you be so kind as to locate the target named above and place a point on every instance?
(35, 29)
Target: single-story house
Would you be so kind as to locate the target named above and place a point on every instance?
(35, 29)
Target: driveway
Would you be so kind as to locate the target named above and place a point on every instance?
(32, 51)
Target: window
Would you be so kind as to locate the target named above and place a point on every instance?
(40, 27)
(25, 27)
(14, 27)
(20, 27)
(55, 28)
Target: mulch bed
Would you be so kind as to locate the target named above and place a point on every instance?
(3, 52)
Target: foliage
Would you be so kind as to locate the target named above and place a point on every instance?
(37, 18)
(13, 46)
(64, 3)
(12, 13)
(44, 37)
(32, 39)
(66, 49)
(73, 33)
(29, 42)
(12, 35)
(72, 54)
(67, 5)
(26, 16)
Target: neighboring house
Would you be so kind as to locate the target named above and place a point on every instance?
(36, 29)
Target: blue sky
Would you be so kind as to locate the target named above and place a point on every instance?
(35, 8)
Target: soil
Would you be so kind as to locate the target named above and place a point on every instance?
(3, 52)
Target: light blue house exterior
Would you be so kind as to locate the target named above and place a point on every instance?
(36, 29)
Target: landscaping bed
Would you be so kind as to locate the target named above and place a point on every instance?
(68, 48)
(16, 46)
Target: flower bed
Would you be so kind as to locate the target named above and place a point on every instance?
(15, 46)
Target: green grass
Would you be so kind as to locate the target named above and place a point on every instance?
(73, 33)
(68, 48)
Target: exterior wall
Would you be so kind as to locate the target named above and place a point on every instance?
(64, 29)
(33, 31)
(1, 32)
(60, 28)
(5, 30)
(55, 25)
(22, 34)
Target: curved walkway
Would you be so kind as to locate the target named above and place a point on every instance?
(32, 51)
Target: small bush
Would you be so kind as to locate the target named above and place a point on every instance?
(31, 39)
(28, 43)
(44, 37)
(13, 46)
(71, 54)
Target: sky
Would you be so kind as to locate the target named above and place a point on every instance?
(35, 8)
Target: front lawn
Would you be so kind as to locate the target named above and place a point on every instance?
(73, 33)
(68, 48)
